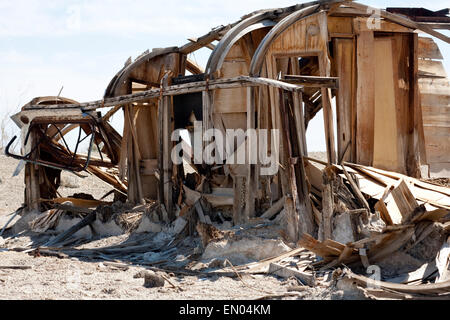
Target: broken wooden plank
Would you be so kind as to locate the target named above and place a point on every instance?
(355, 189)
(5, 227)
(327, 204)
(167, 165)
(201, 214)
(425, 289)
(319, 248)
(63, 236)
(209, 45)
(365, 97)
(345, 66)
(428, 49)
(314, 82)
(15, 267)
(287, 272)
(404, 200)
(275, 209)
(203, 41)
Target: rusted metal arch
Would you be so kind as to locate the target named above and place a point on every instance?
(277, 30)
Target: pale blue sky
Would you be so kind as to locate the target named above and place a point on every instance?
(81, 44)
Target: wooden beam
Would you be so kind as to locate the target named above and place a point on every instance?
(194, 68)
(355, 189)
(275, 209)
(327, 205)
(344, 51)
(442, 26)
(167, 144)
(209, 45)
(291, 198)
(365, 104)
(325, 71)
(415, 153)
(313, 82)
(251, 186)
(329, 125)
(134, 157)
(306, 219)
(239, 212)
(32, 190)
(228, 83)
(404, 22)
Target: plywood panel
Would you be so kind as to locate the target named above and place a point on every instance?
(232, 120)
(437, 144)
(431, 68)
(401, 47)
(434, 86)
(436, 116)
(145, 120)
(385, 155)
(440, 170)
(365, 101)
(429, 49)
(435, 100)
(307, 35)
(344, 58)
(340, 26)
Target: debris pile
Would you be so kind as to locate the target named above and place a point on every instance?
(412, 212)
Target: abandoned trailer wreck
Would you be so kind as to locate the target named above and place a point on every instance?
(273, 70)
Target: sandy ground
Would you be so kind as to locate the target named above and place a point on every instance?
(70, 278)
(11, 188)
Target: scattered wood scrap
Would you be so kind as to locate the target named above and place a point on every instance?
(386, 289)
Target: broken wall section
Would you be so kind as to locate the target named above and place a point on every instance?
(434, 89)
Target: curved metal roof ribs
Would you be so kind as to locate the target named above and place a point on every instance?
(222, 49)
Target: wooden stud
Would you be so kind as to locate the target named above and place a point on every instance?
(365, 103)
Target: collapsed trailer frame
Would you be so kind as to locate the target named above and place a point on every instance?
(274, 69)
